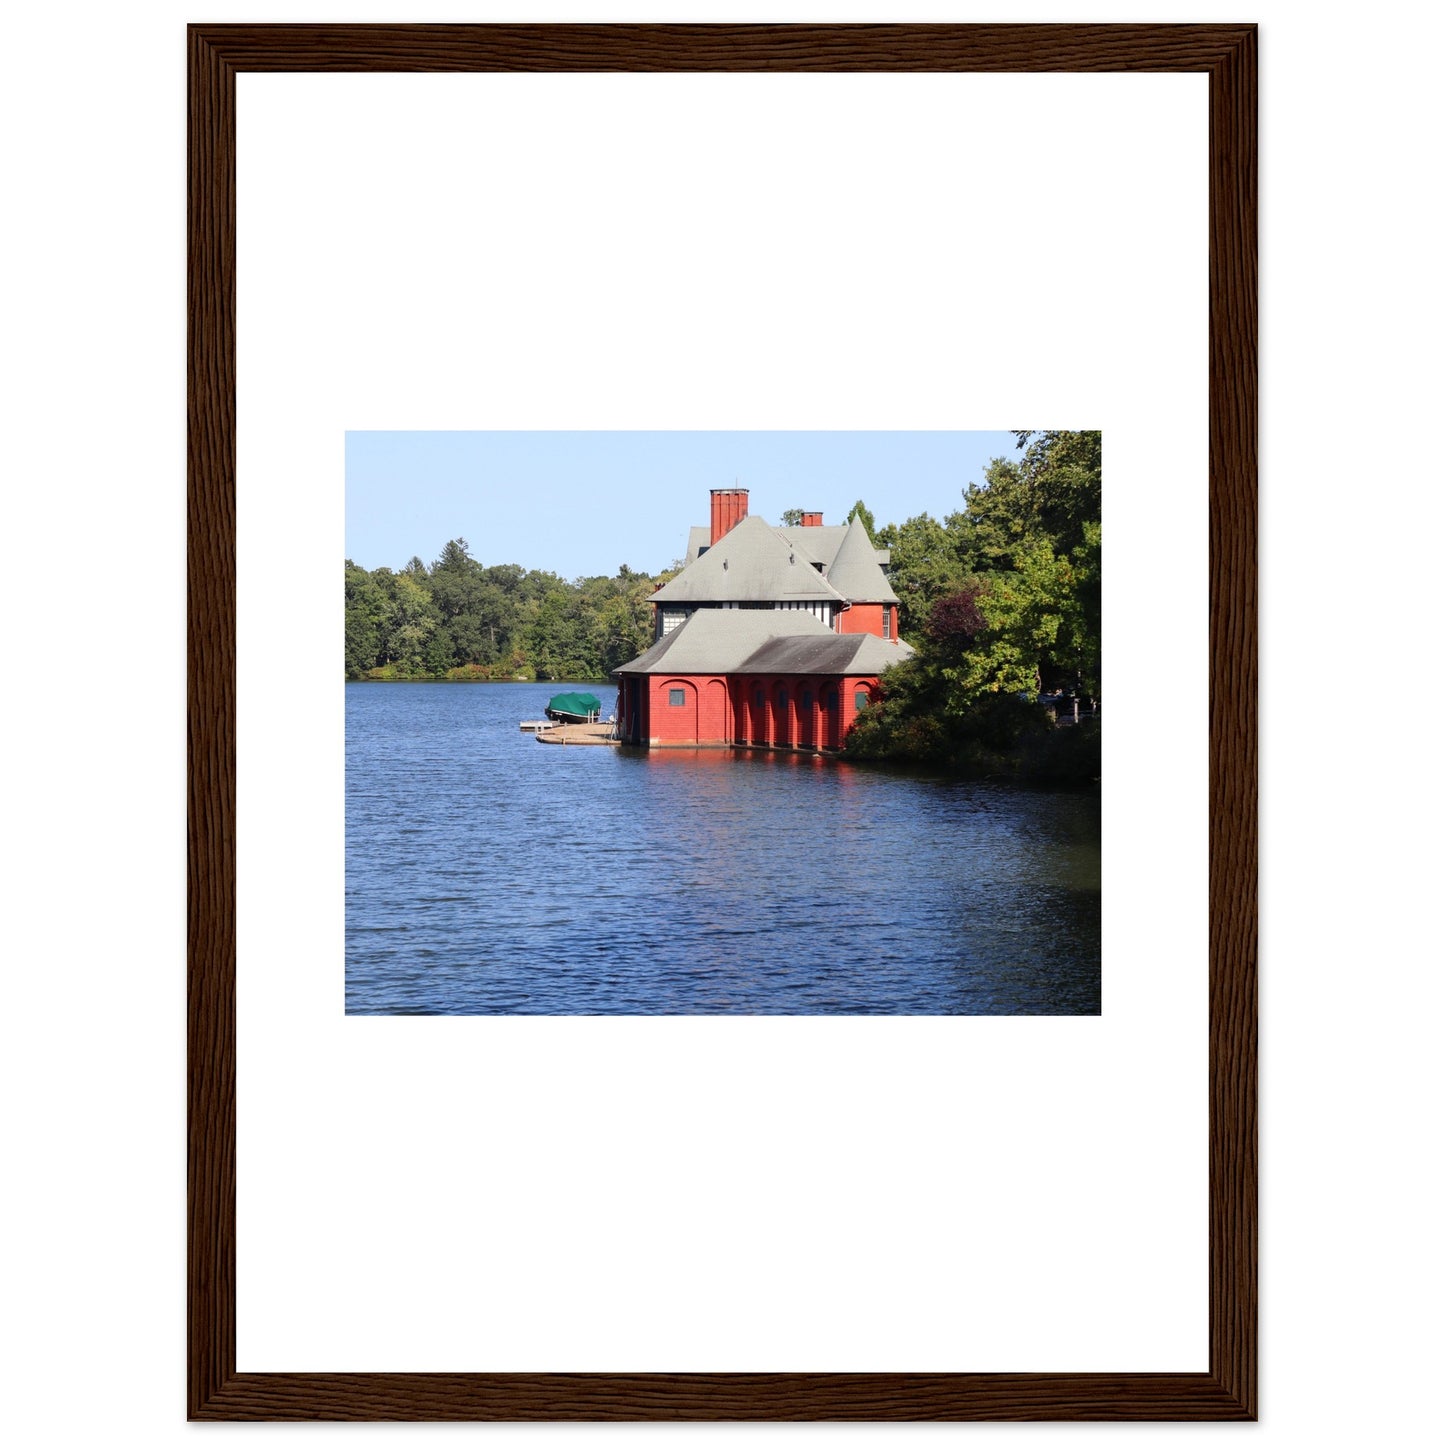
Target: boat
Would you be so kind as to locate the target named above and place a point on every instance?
(574, 707)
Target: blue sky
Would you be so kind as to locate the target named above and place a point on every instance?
(581, 504)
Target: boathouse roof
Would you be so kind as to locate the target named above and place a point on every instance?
(855, 571)
(725, 640)
(751, 563)
(857, 653)
(721, 639)
(819, 543)
(698, 539)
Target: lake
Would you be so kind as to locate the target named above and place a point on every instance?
(487, 873)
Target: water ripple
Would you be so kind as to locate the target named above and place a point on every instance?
(487, 874)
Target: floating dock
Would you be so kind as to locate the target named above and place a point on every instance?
(536, 724)
(589, 735)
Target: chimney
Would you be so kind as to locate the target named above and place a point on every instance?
(812, 519)
(729, 507)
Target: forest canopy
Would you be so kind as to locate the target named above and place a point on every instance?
(459, 620)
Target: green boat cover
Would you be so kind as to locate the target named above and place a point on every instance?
(578, 704)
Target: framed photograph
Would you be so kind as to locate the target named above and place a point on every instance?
(703, 955)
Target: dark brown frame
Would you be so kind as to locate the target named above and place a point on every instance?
(1228, 1390)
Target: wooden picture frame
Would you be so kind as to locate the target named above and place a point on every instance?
(215, 1390)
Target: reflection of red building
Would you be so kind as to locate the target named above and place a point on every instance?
(769, 637)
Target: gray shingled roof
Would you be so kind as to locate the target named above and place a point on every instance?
(876, 655)
(834, 654)
(752, 563)
(697, 540)
(725, 639)
(820, 543)
(721, 639)
(855, 571)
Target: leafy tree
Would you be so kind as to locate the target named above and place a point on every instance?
(859, 510)
(957, 618)
(458, 588)
(456, 559)
(413, 623)
(924, 566)
(368, 619)
(1027, 620)
(1053, 492)
(793, 517)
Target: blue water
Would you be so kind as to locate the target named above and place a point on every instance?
(487, 873)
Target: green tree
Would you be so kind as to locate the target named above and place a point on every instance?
(1031, 628)
(459, 588)
(924, 566)
(859, 510)
(414, 621)
(1053, 491)
(369, 613)
(624, 622)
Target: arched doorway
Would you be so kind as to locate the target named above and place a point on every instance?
(675, 712)
(830, 715)
(782, 718)
(714, 719)
(757, 713)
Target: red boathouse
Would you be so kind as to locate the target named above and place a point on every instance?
(768, 637)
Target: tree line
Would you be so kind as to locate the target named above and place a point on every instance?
(461, 621)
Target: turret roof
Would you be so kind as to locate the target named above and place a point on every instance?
(855, 571)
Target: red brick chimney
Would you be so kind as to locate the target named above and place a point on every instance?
(729, 507)
(812, 519)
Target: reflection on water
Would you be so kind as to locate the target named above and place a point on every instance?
(487, 873)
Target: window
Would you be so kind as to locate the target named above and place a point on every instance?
(757, 697)
(830, 701)
(807, 697)
(676, 697)
(860, 699)
(887, 621)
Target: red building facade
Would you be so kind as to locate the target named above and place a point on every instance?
(769, 637)
(751, 710)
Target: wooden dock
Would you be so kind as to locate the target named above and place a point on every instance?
(587, 735)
